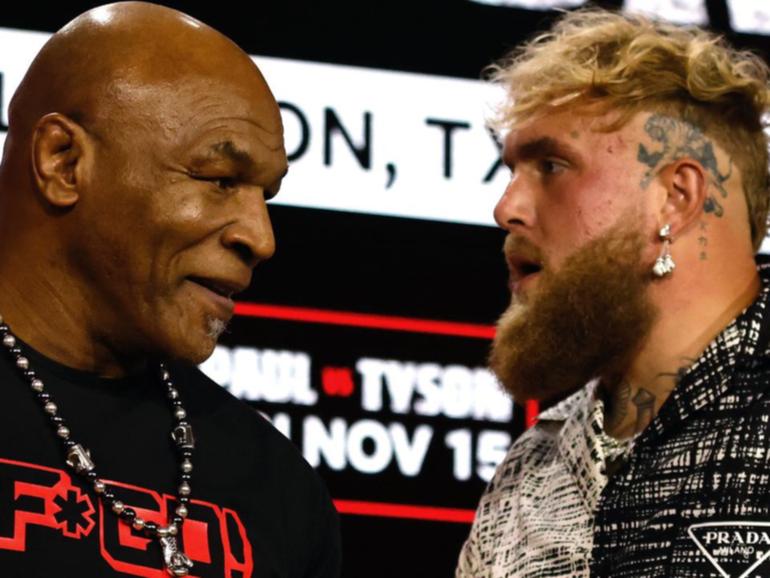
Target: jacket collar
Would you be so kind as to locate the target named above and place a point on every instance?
(741, 345)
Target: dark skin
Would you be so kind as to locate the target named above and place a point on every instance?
(143, 146)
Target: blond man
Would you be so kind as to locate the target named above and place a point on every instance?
(637, 200)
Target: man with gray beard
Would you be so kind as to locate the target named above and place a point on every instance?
(638, 197)
(142, 148)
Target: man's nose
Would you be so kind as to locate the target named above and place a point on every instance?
(250, 234)
(517, 205)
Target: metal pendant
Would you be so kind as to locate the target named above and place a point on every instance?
(183, 436)
(177, 563)
(79, 459)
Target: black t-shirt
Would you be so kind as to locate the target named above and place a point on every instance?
(258, 509)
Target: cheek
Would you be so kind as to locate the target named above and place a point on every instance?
(596, 215)
(183, 205)
(174, 220)
(582, 211)
(188, 209)
(184, 220)
(605, 198)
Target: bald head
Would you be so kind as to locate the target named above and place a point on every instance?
(142, 147)
(93, 61)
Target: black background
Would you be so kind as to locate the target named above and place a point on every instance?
(380, 265)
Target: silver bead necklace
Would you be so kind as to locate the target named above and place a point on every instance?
(78, 458)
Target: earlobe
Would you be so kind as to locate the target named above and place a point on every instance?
(57, 151)
(686, 183)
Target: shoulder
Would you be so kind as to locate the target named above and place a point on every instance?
(523, 504)
(529, 455)
(536, 451)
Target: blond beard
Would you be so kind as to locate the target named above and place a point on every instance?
(584, 321)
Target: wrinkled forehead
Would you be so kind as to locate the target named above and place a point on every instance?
(192, 101)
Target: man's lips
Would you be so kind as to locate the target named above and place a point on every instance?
(522, 270)
(520, 266)
(517, 284)
(525, 261)
(223, 286)
(219, 290)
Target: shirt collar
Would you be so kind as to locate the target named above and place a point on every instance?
(744, 340)
(582, 442)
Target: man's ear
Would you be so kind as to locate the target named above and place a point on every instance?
(58, 145)
(686, 183)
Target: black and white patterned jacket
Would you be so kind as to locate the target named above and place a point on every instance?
(691, 500)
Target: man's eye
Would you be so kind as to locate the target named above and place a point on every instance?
(552, 167)
(221, 182)
(225, 182)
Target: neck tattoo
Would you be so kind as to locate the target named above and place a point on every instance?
(79, 459)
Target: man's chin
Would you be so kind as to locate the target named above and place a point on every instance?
(505, 358)
(526, 289)
(215, 328)
(195, 353)
(204, 347)
(195, 345)
(582, 321)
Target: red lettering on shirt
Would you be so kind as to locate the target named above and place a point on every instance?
(213, 537)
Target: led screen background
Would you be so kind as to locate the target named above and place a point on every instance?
(364, 338)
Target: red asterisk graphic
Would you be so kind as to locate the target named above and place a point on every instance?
(75, 513)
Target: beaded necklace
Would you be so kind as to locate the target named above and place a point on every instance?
(78, 458)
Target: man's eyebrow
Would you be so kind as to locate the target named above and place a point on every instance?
(230, 150)
(241, 157)
(538, 148)
(244, 160)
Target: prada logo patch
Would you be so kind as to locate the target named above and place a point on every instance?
(736, 549)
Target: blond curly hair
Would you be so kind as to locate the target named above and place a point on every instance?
(630, 64)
